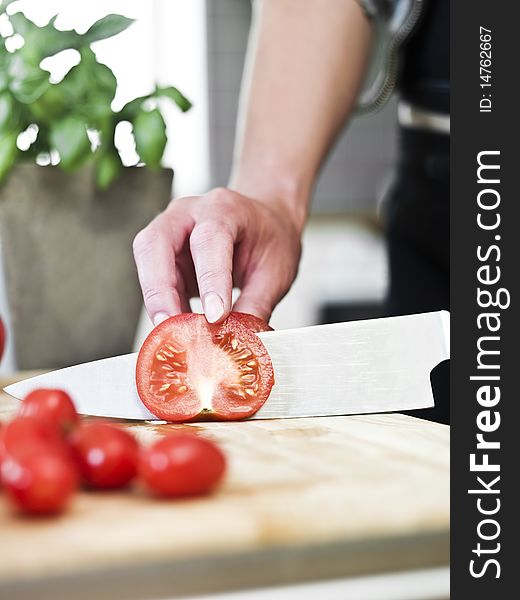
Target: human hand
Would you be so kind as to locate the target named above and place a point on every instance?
(206, 245)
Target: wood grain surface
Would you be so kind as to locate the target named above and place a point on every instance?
(303, 499)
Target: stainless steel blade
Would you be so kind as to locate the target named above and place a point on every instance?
(358, 367)
(377, 365)
(103, 388)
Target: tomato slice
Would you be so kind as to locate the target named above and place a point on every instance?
(252, 322)
(188, 369)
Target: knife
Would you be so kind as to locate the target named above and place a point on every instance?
(376, 365)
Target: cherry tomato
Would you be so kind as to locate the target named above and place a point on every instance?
(107, 456)
(182, 465)
(52, 407)
(188, 369)
(27, 435)
(39, 483)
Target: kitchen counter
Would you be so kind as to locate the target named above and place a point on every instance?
(304, 500)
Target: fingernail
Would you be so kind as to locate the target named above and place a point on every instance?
(159, 318)
(213, 307)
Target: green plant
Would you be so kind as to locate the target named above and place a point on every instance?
(61, 115)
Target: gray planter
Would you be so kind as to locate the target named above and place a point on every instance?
(71, 281)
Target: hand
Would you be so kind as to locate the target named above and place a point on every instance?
(206, 245)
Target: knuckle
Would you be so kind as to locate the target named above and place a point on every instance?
(182, 203)
(151, 294)
(157, 294)
(205, 233)
(217, 193)
(206, 278)
(213, 277)
(221, 197)
(144, 241)
(260, 309)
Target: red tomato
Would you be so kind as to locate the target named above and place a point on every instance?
(27, 435)
(182, 465)
(252, 322)
(107, 456)
(189, 369)
(52, 407)
(39, 483)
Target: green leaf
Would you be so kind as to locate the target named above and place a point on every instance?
(108, 169)
(50, 41)
(6, 111)
(4, 4)
(21, 24)
(69, 137)
(107, 27)
(8, 153)
(26, 82)
(150, 137)
(174, 94)
(41, 42)
(4, 79)
(105, 81)
(131, 109)
(88, 90)
(51, 105)
(98, 78)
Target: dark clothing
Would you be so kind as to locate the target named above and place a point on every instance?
(417, 208)
(425, 60)
(417, 212)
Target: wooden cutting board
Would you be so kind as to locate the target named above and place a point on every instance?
(303, 499)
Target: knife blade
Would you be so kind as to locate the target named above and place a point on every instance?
(376, 365)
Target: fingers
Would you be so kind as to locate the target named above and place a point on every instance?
(154, 251)
(181, 289)
(211, 246)
(259, 295)
(212, 226)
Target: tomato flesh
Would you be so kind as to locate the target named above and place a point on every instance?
(189, 369)
(252, 322)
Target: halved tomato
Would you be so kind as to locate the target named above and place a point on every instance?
(252, 322)
(188, 369)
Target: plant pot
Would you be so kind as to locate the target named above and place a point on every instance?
(71, 281)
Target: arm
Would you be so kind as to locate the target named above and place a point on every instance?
(304, 67)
